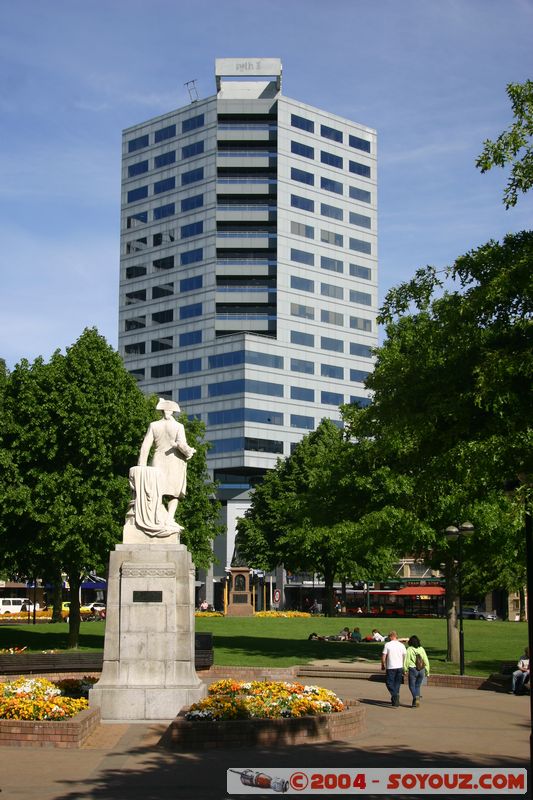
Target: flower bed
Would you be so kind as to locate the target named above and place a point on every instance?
(36, 712)
(263, 713)
(229, 699)
(286, 614)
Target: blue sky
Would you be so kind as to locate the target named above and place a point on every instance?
(429, 75)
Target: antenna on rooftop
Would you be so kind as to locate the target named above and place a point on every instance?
(193, 91)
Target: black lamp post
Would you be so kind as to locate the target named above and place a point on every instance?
(453, 532)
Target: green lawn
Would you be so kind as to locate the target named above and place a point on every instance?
(282, 642)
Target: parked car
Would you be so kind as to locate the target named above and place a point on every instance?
(98, 607)
(14, 605)
(474, 612)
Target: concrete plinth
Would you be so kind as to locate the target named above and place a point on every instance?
(148, 671)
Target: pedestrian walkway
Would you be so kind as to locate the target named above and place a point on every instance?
(452, 728)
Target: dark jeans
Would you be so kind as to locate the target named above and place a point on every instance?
(416, 676)
(393, 679)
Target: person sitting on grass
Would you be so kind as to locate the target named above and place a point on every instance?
(521, 675)
(355, 635)
(375, 636)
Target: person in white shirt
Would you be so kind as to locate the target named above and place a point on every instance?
(521, 675)
(392, 661)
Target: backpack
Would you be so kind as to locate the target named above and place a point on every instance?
(419, 662)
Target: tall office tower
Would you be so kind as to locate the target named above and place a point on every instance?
(248, 284)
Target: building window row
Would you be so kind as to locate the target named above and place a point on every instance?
(329, 185)
(168, 132)
(326, 131)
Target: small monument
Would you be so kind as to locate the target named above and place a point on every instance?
(240, 591)
(148, 671)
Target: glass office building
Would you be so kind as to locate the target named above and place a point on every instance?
(248, 278)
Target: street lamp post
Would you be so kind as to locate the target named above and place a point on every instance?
(452, 532)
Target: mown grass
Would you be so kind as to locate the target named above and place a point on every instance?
(256, 641)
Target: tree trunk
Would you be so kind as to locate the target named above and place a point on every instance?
(74, 611)
(452, 604)
(329, 602)
(57, 597)
(522, 596)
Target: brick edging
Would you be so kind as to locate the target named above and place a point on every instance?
(184, 734)
(45, 733)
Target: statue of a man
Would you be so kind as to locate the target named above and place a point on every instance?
(170, 455)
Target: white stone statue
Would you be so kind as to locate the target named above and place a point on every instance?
(165, 477)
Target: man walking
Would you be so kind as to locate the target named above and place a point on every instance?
(392, 661)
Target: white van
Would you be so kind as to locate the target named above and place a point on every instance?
(13, 605)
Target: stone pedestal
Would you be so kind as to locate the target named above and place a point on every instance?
(148, 671)
(240, 594)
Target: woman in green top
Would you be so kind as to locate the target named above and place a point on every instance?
(416, 667)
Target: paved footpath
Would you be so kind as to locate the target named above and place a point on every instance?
(452, 728)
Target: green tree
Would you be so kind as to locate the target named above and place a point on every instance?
(452, 395)
(317, 512)
(515, 145)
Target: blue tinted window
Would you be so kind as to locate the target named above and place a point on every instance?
(194, 310)
(233, 444)
(302, 176)
(167, 210)
(240, 385)
(161, 371)
(360, 169)
(363, 402)
(298, 310)
(363, 298)
(165, 133)
(193, 149)
(360, 219)
(332, 290)
(189, 284)
(302, 284)
(137, 194)
(331, 211)
(331, 237)
(301, 393)
(302, 150)
(164, 159)
(360, 194)
(190, 393)
(302, 123)
(331, 398)
(331, 133)
(299, 337)
(265, 417)
(332, 264)
(226, 359)
(330, 159)
(190, 365)
(360, 144)
(302, 202)
(192, 337)
(263, 359)
(188, 203)
(361, 324)
(193, 229)
(137, 169)
(330, 185)
(138, 143)
(360, 246)
(335, 345)
(299, 365)
(165, 185)
(192, 176)
(357, 271)
(332, 371)
(302, 256)
(191, 256)
(227, 416)
(363, 350)
(298, 421)
(358, 375)
(192, 123)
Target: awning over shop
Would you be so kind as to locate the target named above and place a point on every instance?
(410, 591)
(94, 585)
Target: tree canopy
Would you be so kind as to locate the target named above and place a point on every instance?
(515, 145)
